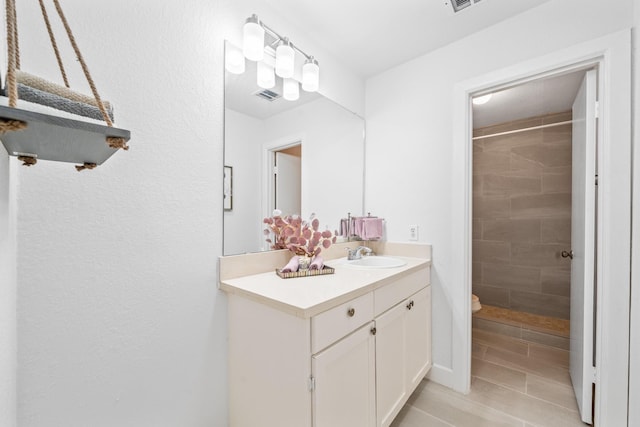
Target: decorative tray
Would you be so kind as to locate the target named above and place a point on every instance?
(306, 273)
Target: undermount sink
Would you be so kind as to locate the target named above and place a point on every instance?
(375, 262)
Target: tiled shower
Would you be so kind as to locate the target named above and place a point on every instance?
(522, 216)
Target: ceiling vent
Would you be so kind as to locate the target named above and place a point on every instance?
(458, 5)
(267, 94)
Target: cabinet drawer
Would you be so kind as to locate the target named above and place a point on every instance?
(388, 296)
(330, 326)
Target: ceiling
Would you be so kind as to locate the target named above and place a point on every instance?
(543, 96)
(371, 36)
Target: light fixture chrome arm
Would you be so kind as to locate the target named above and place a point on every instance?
(279, 38)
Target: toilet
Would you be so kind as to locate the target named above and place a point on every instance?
(475, 304)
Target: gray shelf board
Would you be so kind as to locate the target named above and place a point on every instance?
(58, 138)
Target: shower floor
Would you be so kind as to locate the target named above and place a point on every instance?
(542, 329)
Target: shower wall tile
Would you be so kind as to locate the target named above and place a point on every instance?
(511, 230)
(506, 143)
(508, 185)
(486, 162)
(556, 180)
(546, 155)
(510, 126)
(521, 215)
(537, 254)
(476, 273)
(541, 205)
(477, 229)
(484, 251)
(511, 277)
(556, 230)
(543, 304)
(492, 295)
(556, 281)
(491, 207)
(558, 117)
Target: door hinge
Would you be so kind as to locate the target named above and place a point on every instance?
(275, 170)
(594, 373)
(312, 383)
(596, 179)
(597, 110)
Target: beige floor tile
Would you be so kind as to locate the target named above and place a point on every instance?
(526, 364)
(478, 350)
(498, 374)
(514, 330)
(455, 409)
(545, 339)
(500, 341)
(410, 416)
(552, 355)
(521, 406)
(551, 391)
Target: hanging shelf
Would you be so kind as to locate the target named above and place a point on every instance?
(49, 137)
(36, 131)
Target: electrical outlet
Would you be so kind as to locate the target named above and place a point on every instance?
(413, 232)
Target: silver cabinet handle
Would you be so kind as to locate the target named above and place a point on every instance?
(566, 254)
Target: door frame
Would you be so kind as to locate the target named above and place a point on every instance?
(611, 55)
(268, 186)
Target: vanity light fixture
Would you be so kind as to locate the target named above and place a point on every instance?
(234, 60)
(310, 75)
(253, 47)
(253, 39)
(285, 59)
(290, 89)
(479, 100)
(266, 77)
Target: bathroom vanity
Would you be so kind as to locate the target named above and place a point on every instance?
(345, 349)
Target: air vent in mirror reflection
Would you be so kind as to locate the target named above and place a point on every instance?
(267, 94)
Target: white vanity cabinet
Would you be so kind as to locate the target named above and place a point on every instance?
(403, 353)
(351, 361)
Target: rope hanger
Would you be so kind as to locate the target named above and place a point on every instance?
(14, 64)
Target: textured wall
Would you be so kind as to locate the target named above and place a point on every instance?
(120, 322)
(7, 294)
(522, 216)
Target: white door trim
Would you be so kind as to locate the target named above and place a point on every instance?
(612, 55)
(268, 150)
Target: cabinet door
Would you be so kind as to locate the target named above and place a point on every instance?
(418, 337)
(344, 373)
(390, 364)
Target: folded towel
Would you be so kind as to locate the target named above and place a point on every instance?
(30, 94)
(317, 263)
(369, 228)
(292, 265)
(63, 91)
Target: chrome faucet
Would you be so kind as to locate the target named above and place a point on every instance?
(357, 252)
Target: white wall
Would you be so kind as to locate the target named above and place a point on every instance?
(243, 224)
(410, 131)
(634, 355)
(7, 294)
(119, 319)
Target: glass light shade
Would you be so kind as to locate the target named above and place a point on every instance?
(479, 100)
(266, 76)
(234, 60)
(310, 75)
(284, 60)
(290, 89)
(253, 39)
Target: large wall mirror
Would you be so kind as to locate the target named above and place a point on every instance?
(302, 157)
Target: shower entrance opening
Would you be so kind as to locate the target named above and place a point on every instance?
(534, 235)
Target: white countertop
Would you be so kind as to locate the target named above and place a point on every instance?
(307, 296)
